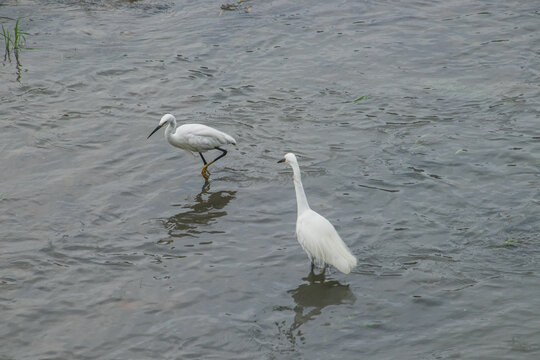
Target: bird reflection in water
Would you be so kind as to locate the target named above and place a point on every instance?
(310, 299)
(207, 207)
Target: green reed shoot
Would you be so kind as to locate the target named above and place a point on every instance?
(360, 98)
(7, 41)
(13, 41)
(20, 36)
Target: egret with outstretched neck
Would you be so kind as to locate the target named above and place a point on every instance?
(195, 138)
(315, 233)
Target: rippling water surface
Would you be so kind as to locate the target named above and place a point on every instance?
(113, 247)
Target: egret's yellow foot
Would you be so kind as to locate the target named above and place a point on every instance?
(204, 172)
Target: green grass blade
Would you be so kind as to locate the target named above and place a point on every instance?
(360, 98)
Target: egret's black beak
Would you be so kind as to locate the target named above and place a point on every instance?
(282, 160)
(156, 129)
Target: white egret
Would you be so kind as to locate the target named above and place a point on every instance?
(316, 235)
(195, 138)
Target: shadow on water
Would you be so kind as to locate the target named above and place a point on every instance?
(205, 209)
(310, 299)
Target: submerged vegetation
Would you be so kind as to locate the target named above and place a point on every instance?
(235, 6)
(360, 98)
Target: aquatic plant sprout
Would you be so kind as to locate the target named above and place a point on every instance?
(13, 42)
(7, 42)
(20, 36)
(360, 98)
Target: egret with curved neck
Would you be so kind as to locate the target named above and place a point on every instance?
(315, 233)
(195, 138)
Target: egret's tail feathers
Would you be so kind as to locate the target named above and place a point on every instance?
(336, 254)
(340, 257)
(345, 263)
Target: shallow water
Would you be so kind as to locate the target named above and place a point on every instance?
(113, 247)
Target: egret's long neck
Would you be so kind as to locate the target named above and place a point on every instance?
(301, 200)
(171, 128)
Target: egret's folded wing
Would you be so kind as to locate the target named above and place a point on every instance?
(320, 239)
(205, 136)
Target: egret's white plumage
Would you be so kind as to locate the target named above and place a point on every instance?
(194, 138)
(316, 235)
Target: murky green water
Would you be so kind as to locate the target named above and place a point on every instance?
(112, 246)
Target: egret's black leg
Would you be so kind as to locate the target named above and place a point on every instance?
(203, 159)
(312, 266)
(223, 153)
(204, 171)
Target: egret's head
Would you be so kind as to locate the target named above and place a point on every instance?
(289, 158)
(165, 119)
